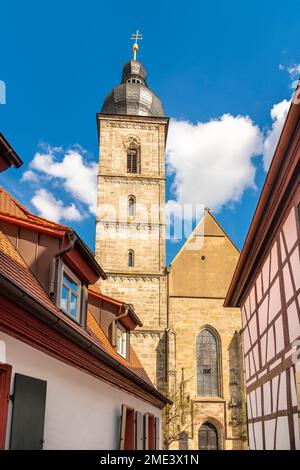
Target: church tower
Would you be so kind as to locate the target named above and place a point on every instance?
(130, 225)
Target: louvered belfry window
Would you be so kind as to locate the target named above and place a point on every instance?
(207, 364)
(132, 160)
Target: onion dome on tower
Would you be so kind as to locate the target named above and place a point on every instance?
(133, 96)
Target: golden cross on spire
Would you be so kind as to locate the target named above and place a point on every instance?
(136, 37)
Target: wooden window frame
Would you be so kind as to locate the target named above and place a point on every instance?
(5, 381)
(139, 430)
(63, 268)
(150, 432)
(123, 331)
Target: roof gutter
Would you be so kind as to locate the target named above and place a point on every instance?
(72, 239)
(8, 154)
(90, 255)
(128, 307)
(33, 306)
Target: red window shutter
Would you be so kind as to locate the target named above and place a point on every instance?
(127, 429)
(5, 376)
(151, 436)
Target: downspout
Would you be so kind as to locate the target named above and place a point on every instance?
(72, 239)
(167, 382)
(126, 308)
(167, 272)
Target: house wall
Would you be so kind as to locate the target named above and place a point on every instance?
(37, 249)
(271, 327)
(81, 411)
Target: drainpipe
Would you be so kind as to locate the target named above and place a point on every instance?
(167, 272)
(126, 308)
(72, 237)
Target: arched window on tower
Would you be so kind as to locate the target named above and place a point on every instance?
(131, 206)
(130, 258)
(207, 354)
(133, 160)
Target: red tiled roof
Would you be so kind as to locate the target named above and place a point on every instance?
(134, 365)
(14, 268)
(13, 209)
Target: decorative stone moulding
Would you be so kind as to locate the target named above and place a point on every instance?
(132, 278)
(132, 141)
(127, 125)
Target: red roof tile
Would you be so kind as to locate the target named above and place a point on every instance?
(12, 208)
(134, 364)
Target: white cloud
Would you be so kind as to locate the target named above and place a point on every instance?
(30, 176)
(212, 161)
(278, 114)
(79, 178)
(294, 70)
(51, 208)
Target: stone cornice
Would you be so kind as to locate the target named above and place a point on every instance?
(129, 225)
(143, 332)
(126, 179)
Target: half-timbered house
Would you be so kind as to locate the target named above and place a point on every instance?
(266, 285)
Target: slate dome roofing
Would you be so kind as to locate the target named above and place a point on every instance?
(132, 96)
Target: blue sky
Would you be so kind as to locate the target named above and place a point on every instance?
(59, 59)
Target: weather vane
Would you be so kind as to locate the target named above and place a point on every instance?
(136, 37)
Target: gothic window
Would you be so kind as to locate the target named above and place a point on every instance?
(207, 355)
(132, 160)
(208, 437)
(131, 258)
(131, 206)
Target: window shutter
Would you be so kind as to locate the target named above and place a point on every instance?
(5, 375)
(28, 416)
(157, 434)
(123, 427)
(139, 430)
(146, 428)
(112, 330)
(128, 346)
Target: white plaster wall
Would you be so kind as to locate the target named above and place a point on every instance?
(82, 412)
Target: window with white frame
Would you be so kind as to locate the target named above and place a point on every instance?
(121, 342)
(70, 293)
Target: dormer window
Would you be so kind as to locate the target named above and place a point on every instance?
(121, 341)
(70, 293)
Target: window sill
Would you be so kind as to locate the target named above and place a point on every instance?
(70, 316)
(121, 355)
(209, 399)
